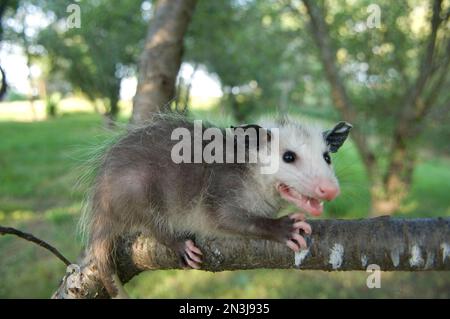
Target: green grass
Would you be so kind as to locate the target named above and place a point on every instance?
(40, 163)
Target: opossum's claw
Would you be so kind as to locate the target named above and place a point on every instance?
(296, 242)
(190, 244)
(190, 263)
(300, 223)
(290, 230)
(303, 226)
(192, 255)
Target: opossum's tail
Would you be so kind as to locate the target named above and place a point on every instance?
(101, 236)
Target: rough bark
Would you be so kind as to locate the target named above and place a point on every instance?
(392, 244)
(161, 58)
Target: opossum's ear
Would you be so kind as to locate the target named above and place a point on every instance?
(337, 136)
(262, 134)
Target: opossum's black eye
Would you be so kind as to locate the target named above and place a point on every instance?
(327, 158)
(289, 156)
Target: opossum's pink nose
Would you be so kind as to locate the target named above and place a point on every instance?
(327, 191)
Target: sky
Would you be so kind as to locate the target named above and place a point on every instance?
(15, 67)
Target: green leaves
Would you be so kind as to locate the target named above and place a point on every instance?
(95, 57)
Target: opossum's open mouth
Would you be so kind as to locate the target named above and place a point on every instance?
(311, 205)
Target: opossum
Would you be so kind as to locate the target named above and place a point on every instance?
(140, 187)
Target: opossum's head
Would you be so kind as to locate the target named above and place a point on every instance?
(305, 174)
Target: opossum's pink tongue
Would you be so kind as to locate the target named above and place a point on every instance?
(309, 204)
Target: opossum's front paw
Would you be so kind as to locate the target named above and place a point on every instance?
(289, 231)
(191, 256)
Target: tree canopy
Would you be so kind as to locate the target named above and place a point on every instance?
(97, 56)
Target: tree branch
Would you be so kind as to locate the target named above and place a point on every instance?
(392, 244)
(429, 102)
(414, 94)
(33, 239)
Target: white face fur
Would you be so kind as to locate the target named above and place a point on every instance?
(305, 175)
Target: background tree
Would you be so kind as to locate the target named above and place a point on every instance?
(374, 84)
(96, 57)
(161, 57)
(21, 31)
(5, 6)
(231, 39)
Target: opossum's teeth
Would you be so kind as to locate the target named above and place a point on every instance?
(308, 204)
(315, 205)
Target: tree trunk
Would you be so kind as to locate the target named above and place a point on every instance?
(235, 110)
(31, 97)
(187, 96)
(110, 116)
(161, 58)
(398, 177)
(388, 192)
(113, 105)
(392, 244)
(4, 84)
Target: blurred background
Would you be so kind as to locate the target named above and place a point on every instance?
(69, 72)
